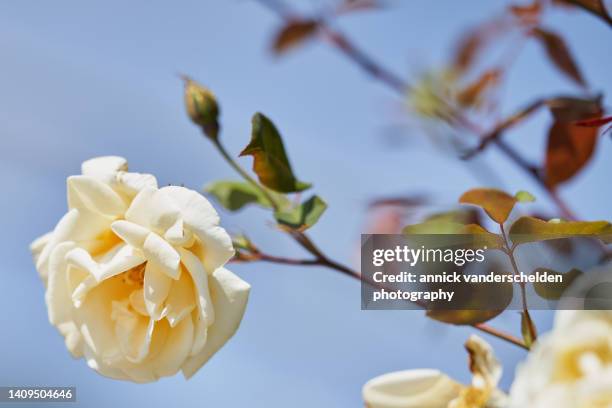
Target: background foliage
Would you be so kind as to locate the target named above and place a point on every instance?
(84, 80)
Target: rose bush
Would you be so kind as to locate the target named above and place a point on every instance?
(134, 275)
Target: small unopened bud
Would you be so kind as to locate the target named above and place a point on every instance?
(202, 107)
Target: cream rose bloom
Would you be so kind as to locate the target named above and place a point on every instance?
(427, 388)
(134, 275)
(569, 367)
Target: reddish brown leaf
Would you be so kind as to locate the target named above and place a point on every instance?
(473, 42)
(496, 203)
(467, 49)
(294, 33)
(594, 122)
(399, 201)
(472, 94)
(570, 147)
(529, 14)
(596, 7)
(559, 54)
(349, 6)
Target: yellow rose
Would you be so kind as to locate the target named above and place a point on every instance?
(427, 388)
(134, 275)
(569, 367)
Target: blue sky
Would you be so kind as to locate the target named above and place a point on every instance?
(83, 79)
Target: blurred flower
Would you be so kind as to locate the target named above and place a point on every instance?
(427, 388)
(569, 367)
(134, 275)
(443, 94)
(431, 94)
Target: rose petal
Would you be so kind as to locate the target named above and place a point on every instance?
(171, 346)
(179, 236)
(200, 280)
(103, 165)
(156, 288)
(57, 297)
(181, 300)
(137, 302)
(175, 350)
(229, 295)
(486, 369)
(410, 389)
(131, 183)
(95, 362)
(72, 338)
(152, 209)
(78, 225)
(88, 192)
(38, 245)
(94, 318)
(133, 234)
(202, 219)
(133, 331)
(124, 258)
(200, 332)
(157, 250)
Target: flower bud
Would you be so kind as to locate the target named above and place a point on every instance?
(202, 107)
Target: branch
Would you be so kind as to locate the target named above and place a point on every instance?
(321, 260)
(346, 46)
(377, 71)
(604, 16)
(496, 133)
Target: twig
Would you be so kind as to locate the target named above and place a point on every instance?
(326, 262)
(352, 52)
(510, 252)
(604, 16)
(347, 47)
(320, 259)
(500, 334)
(377, 71)
(501, 127)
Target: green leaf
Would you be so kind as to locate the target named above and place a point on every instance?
(470, 235)
(233, 195)
(481, 237)
(527, 329)
(270, 161)
(530, 229)
(496, 203)
(303, 216)
(437, 226)
(524, 197)
(448, 222)
(553, 291)
(459, 223)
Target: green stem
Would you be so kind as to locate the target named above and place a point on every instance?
(510, 253)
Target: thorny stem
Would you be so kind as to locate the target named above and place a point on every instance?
(377, 71)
